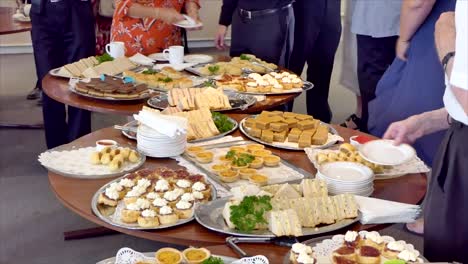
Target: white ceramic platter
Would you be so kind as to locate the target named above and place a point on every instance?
(384, 152)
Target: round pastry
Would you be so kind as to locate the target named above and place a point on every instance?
(225, 159)
(204, 157)
(321, 158)
(193, 150)
(106, 158)
(133, 157)
(252, 147)
(409, 256)
(332, 156)
(115, 164)
(373, 239)
(130, 213)
(171, 197)
(368, 255)
(96, 158)
(301, 253)
(271, 161)
(198, 196)
(217, 168)
(127, 183)
(151, 196)
(125, 152)
(347, 148)
(195, 255)
(345, 253)
(161, 186)
(158, 203)
(257, 163)
(184, 185)
(236, 167)
(246, 173)
(238, 149)
(115, 152)
(187, 197)
(167, 216)
(168, 256)
(184, 209)
(261, 153)
(258, 179)
(204, 188)
(352, 239)
(392, 249)
(229, 176)
(106, 150)
(148, 219)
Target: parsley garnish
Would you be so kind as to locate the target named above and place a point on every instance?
(213, 260)
(244, 57)
(149, 71)
(213, 69)
(250, 212)
(222, 122)
(104, 57)
(166, 80)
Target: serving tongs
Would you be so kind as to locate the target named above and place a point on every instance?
(126, 128)
(280, 241)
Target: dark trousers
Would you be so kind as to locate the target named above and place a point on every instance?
(268, 37)
(62, 32)
(374, 56)
(446, 214)
(316, 38)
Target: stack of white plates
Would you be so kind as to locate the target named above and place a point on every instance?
(154, 144)
(347, 177)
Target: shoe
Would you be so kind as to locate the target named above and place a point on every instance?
(353, 122)
(39, 102)
(34, 94)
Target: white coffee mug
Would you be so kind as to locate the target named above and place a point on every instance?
(27, 9)
(175, 54)
(116, 49)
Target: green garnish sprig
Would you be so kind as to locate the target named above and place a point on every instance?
(250, 212)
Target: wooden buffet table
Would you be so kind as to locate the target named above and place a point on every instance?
(8, 25)
(76, 194)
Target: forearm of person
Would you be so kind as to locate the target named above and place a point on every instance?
(192, 7)
(140, 11)
(433, 121)
(227, 10)
(413, 14)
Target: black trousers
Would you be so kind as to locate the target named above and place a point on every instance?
(446, 214)
(316, 38)
(62, 32)
(374, 56)
(269, 37)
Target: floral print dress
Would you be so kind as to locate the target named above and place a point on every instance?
(145, 35)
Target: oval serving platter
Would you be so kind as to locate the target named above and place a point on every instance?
(108, 219)
(210, 216)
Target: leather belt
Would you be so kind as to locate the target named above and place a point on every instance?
(246, 14)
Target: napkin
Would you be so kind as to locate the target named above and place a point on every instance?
(378, 211)
(141, 59)
(168, 125)
(177, 67)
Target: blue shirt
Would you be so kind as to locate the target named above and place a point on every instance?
(376, 18)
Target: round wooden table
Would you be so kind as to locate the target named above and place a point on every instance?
(8, 25)
(76, 194)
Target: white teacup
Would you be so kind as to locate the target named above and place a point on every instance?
(27, 9)
(116, 49)
(175, 54)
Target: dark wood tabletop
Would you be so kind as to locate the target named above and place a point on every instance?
(58, 89)
(10, 26)
(76, 194)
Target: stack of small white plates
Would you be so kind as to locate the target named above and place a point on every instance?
(154, 144)
(347, 177)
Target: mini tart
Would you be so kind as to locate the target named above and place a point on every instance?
(229, 176)
(195, 255)
(130, 200)
(237, 168)
(204, 157)
(342, 260)
(129, 216)
(184, 213)
(252, 147)
(271, 161)
(238, 149)
(390, 254)
(261, 153)
(148, 222)
(368, 255)
(206, 192)
(217, 168)
(246, 173)
(168, 219)
(258, 179)
(369, 242)
(224, 159)
(345, 253)
(193, 150)
(257, 163)
(168, 256)
(103, 199)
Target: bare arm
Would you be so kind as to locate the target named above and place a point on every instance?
(413, 14)
(168, 15)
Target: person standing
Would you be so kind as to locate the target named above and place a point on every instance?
(445, 228)
(317, 34)
(62, 32)
(376, 25)
(263, 28)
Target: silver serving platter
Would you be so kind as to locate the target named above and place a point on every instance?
(244, 131)
(102, 176)
(132, 134)
(237, 101)
(56, 72)
(108, 220)
(307, 86)
(114, 99)
(314, 241)
(210, 216)
(215, 178)
(226, 260)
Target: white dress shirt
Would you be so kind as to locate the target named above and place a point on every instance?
(459, 76)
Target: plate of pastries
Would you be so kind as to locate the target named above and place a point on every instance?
(288, 130)
(168, 255)
(270, 83)
(110, 88)
(165, 79)
(281, 210)
(236, 66)
(152, 199)
(94, 66)
(354, 248)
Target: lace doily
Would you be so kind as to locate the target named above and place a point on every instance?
(259, 259)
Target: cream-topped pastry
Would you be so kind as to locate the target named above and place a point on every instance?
(183, 205)
(130, 213)
(178, 192)
(305, 259)
(145, 183)
(167, 216)
(112, 193)
(188, 197)
(143, 203)
(299, 248)
(159, 202)
(301, 253)
(132, 207)
(352, 239)
(184, 209)
(252, 84)
(148, 218)
(286, 80)
(183, 184)
(396, 245)
(161, 186)
(408, 255)
(199, 186)
(148, 213)
(374, 239)
(152, 195)
(127, 183)
(254, 76)
(198, 195)
(165, 210)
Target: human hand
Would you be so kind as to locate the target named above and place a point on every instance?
(445, 34)
(169, 15)
(402, 48)
(220, 35)
(406, 131)
(197, 20)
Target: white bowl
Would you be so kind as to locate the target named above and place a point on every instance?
(103, 143)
